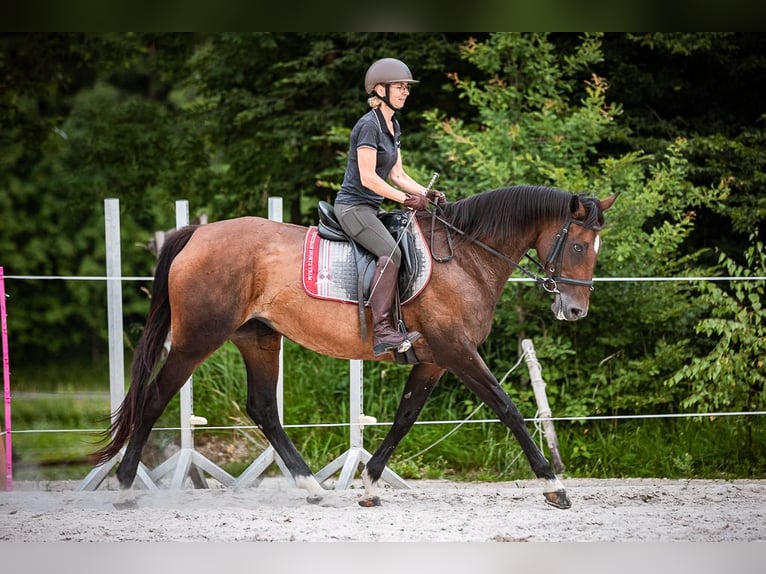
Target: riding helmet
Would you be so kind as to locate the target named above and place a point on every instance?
(387, 71)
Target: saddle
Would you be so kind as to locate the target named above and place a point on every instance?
(397, 222)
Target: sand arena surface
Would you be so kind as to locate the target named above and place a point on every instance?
(617, 510)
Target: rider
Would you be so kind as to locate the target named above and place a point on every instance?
(374, 158)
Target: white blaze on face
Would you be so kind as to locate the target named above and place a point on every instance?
(597, 243)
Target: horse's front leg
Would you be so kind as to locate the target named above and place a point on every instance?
(420, 383)
(474, 373)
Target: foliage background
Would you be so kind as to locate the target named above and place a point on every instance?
(673, 121)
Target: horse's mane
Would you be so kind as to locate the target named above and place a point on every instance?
(507, 213)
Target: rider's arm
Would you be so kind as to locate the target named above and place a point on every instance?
(403, 181)
(367, 158)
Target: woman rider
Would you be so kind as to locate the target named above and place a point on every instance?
(374, 159)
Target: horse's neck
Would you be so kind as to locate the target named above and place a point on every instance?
(489, 270)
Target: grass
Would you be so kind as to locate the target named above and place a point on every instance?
(63, 376)
(700, 447)
(46, 441)
(49, 404)
(316, 391)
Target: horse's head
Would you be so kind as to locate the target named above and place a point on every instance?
(570, 250)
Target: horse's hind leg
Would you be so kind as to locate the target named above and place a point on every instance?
(420, 383)
(259, 346)
(174, 373)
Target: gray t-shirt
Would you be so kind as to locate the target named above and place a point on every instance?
(370, 131)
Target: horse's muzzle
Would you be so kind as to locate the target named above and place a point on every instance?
(566, 309)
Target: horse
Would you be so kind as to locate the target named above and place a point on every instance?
(240, 279)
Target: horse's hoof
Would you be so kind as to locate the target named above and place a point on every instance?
(314, 498)
(369, 502)
(558, 499)
(126, 499)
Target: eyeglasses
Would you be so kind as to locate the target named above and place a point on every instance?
(401, 87)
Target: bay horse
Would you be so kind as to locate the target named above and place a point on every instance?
(241, 280)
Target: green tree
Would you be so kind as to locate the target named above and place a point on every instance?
(705, 87)
(278, 108)
(70, 140)
(541, 120)
(531, 126)
(731, 376)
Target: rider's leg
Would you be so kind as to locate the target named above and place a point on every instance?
(385, 336)
(361, 222)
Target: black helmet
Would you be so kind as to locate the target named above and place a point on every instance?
(387, 71)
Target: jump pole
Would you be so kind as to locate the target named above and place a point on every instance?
(543, 410)
(187, 462)
(116, 348)
(253, 474)
(6, 445)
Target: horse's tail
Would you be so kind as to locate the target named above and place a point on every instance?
(148, 357)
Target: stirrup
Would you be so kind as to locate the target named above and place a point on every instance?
(383, 347)
(406, 345)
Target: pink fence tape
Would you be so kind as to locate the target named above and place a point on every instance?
(6, 388)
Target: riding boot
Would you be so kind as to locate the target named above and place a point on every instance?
(385, 336)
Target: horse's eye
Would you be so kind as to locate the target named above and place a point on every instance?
(578, 247)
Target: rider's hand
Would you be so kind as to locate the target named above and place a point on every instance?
(437, 197)
(416, 201)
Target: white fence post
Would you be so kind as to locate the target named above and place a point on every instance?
(253, 474)
(187, 462)
(351, 460)
(543, 410)
(116, 346)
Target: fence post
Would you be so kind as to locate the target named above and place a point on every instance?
(543, 410)
(187, 462)
(116, 347)
(350, 461)
(6, 444)
(253, 474)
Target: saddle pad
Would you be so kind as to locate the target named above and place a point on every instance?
(329, 269)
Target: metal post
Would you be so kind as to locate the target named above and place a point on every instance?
(356, 456)
(187, 462)
(6, 443)
(253, 474)
(543, 410)
(187, 396)
(116, 348)
(275, 214)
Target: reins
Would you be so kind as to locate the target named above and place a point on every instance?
(549, 282)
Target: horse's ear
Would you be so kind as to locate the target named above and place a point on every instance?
(574, 204)
(605, 204)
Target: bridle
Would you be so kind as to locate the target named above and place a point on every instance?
(552, 265)
(551, 268)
